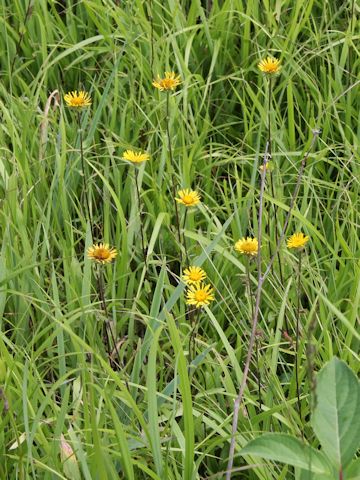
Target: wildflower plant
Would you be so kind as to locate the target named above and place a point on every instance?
(193, 275)
(77, 99)
(188, 197)
(135, 157)
(167, 83)
(297, 241)
(269, 65)
(247, 246)
(101, 253)
(199, 295)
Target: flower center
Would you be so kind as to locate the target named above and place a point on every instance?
(249, 247)
(271, 67)
(188, 199)
(200, 296)
(167, 82)
(77, 101)
(195, 276)
(102, 254)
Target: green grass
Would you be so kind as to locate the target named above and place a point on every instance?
(156, 418)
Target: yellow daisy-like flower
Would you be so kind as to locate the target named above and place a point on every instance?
(199, 295)
(268, 167)
(170, 82)
(101, 253)
(193, 275)
(188, 197)
(135, 157)
(248, 246)
(298, 240)
(270, 65)
(77, 99)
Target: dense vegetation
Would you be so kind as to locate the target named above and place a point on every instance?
(140, 410)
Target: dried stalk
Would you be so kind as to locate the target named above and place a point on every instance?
(261, 280)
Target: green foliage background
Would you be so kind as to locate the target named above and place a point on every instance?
(169, 423)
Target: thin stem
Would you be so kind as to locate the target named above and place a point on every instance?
(101, 289)
(140, 216)
(195, 321)
(173, 178)
(254, 322)
(271, 179)
(84, 176)
(261, 280)
(276, 240)
(272, 184)
(315, 133)
(297, 336)
(151, 20)
(310, 353)
(258, 372)
(276, 224)
(258, 376)
(21, 35)
(248, 283)
(269, 117)
(185, 246)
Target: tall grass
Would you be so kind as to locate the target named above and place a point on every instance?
(159, 417)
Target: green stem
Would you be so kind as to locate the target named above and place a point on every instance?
(151, 20)
(140, 216)
(84, 176)
(185, 246)
(173, 177)
(101, 289)
(299, 289)
(258, 376)
(195, 321)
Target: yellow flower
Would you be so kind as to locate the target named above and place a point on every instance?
(270, 65)
(298, 240)
(135, 157)
(248, 245)
(188, 197)
(101, 253)
(170, 82)
(268, 168)
(193, 275)
(77, 100)
(199, 295)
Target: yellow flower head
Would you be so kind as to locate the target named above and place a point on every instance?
(193, 275)
(248, 246)
(135, 157)
(298, 240)
(170, 82)
(199, 295)
(77, 99)
(101, 253)
(188, 197)
(268, 167)
(270, 65)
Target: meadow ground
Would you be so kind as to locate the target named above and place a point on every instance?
(111, 366)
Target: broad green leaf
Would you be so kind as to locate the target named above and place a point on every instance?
(306, 475)
(353, 470)
(286, 449)
(336, 418)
